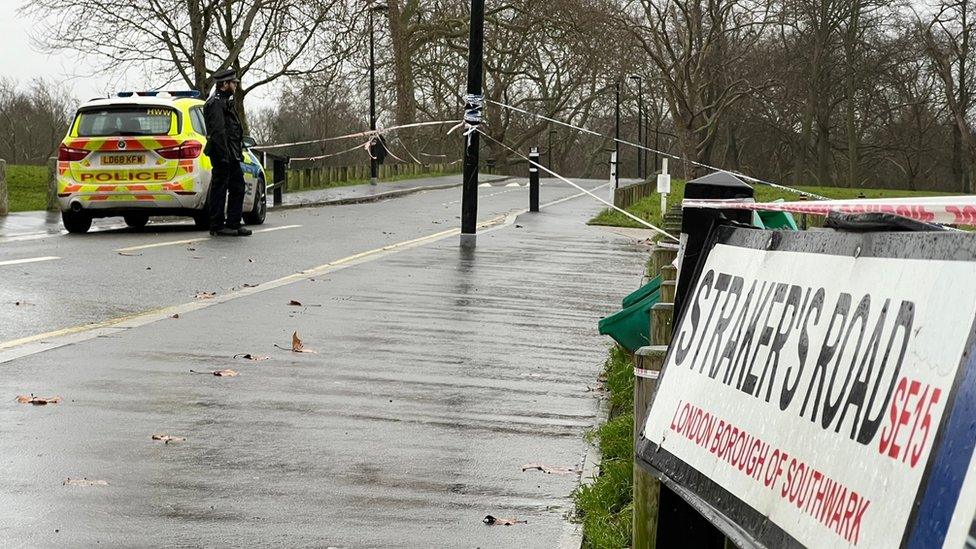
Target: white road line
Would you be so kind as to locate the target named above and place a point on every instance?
(192, 240)
(28, 260)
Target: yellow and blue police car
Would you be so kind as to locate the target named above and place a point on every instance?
(140, 154)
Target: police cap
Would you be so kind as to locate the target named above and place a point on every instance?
(226, 75)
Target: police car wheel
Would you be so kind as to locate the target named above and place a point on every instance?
(76, 223)
(136, 221)
(259, 212)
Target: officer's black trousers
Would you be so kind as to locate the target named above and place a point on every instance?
(227, 179)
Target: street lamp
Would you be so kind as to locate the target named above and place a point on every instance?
(640, 127)
(374, 8)
(616, 133)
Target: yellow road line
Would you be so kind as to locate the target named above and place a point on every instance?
(147, 317)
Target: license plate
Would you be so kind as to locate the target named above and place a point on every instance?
(123, 159)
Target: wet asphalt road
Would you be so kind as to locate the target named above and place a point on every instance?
(438, 374)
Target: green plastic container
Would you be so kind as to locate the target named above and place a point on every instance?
(774, 220)
(647, 289)
(631, 327)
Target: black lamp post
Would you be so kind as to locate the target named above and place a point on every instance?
(374, 8)
(640, 127)
(616, 134)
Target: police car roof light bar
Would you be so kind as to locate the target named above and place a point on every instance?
(172, 93)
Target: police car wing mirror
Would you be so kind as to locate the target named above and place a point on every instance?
(249, 142)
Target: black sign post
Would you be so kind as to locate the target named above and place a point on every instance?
(472, 115)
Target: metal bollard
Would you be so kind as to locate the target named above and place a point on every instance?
(279, 175)
(52, 184)
(4, 199)
(533, 180)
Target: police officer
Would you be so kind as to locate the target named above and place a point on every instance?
(225, 145)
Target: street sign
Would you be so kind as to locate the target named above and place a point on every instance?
(820, 389)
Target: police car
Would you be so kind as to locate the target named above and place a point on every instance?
(140, 154)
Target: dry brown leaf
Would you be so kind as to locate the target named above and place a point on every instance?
(218, 373)
(38, 401)
(297, 346)
(83, 482)
(205, 295)
(166, 439)
(295, 303)
(492, 521)
(128, 254)
(255, 358)
(548, 469)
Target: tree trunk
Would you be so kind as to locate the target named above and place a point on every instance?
(399, 14)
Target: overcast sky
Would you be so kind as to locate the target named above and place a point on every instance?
(23, 63)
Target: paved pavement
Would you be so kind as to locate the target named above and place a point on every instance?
(438, 374)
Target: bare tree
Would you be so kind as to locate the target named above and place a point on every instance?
(188, 40)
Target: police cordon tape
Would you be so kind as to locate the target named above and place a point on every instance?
(957, 210)
(563, 179)
(662, 153)
(367, 133)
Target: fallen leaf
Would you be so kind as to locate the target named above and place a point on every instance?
(297, 346)
(492, 521)
(38, 401)
(128, 254)
(166, 439)
(255, 358)
(548, 469)
(295, 303)
(205, 295)
(83, 482)
(218, 373)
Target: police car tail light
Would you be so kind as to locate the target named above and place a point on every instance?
(189, 149)
(67, 154)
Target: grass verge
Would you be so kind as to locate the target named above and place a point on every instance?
(27, 187)
(605, 506)
(649, 209)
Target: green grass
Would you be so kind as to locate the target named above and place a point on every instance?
(649, 209)
(605, 506)
(27, 187)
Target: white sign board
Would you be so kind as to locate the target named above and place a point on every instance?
(812, 387)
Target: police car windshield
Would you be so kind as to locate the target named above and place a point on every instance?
(126, 120)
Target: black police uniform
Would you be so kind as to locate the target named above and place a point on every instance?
(225, 144)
